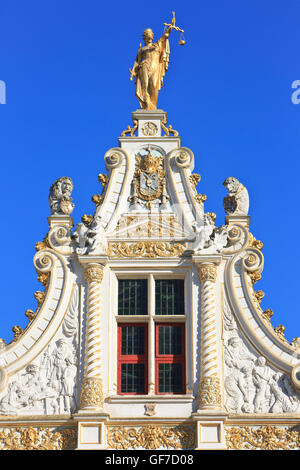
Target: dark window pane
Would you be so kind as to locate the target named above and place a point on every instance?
(133, 340)
(169, 340)
(133, 297)
(132, 378)
(170, 378)
(169, 297)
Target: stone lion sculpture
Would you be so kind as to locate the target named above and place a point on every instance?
(60, 200)
(237, 200)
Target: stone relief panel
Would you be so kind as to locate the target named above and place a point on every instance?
(48, 385)
(251, 384)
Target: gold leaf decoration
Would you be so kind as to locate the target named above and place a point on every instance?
(262, 438)
(30, 438)
(145, 249)
(151, 437)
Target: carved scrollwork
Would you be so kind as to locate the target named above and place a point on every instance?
(184, 158)
(238, 238)
(253, 260)
(44, 261)
(113, 158)
(59, 238)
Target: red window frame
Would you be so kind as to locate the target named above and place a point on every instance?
(169, 358)
(132, 359)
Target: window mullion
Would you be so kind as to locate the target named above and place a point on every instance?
(151, 325)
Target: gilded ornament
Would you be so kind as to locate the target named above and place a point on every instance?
(209, 395)
(149, 129)
(267, 314)
(30, 315)
(145, 249)
(149, 177)
(255, 277)
(262, 438)
(43, 278)
(41, 438)
(87, 219)
(151, 437)
(168, 130)
(130, 130)
(259, 295)
(97, 199)
(41, 246)
(17, 330)
(91, 393)
(207, 272)
(257, 244)
(39, 296)
(199, 198)
(93, 273)
(279, 330)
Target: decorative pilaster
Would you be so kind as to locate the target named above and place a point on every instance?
(91, 388)
(209, 395)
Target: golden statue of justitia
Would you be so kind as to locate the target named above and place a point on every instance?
(151, 64)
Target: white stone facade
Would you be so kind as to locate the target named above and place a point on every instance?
(241, 375)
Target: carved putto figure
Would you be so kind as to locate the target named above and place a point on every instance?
(150, 66)
(90, 238)
(209, 239)
(237, 200)
(60, 200)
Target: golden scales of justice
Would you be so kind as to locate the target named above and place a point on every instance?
(181, 41)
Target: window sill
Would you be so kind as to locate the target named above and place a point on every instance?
(150, 398)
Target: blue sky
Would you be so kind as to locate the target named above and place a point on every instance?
(227, 91)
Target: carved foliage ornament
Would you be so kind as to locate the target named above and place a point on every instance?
(93, 274)
(92, 393)
(207, 272)
(151, 437)
(209, 392)
(262, 438)
(145, 249)
(29, 438)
